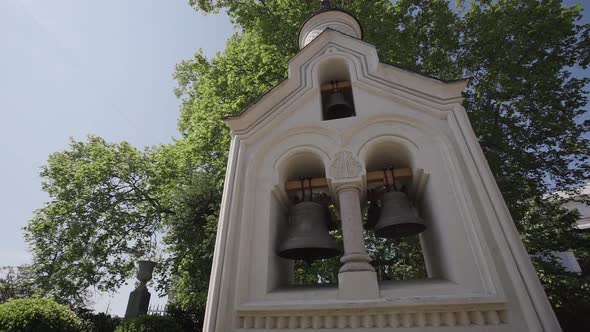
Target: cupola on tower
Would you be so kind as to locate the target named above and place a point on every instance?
(346, 148)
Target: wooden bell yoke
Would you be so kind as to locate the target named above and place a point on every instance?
(372, 177)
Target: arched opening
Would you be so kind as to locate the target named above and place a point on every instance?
(308, 242)
(392, 221)
(336, 90)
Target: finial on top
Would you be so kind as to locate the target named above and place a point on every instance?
(325, 5)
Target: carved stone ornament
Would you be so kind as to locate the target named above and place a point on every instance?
(345, 166)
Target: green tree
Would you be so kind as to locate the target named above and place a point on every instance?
(37, 314)
(190, 239)
(105, 208)
(211, 90)
(16, 282)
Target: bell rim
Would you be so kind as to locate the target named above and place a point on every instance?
(393, 231)
(302, 203)
(326, 253)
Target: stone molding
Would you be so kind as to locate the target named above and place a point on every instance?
(355, 320)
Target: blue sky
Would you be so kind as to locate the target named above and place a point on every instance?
(69, 68)
(72, 68)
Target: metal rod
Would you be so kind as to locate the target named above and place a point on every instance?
(393, 178)
(302, 179)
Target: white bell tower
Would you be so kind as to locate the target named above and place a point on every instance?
(337, 121)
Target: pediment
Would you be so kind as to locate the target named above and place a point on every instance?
(426, 93)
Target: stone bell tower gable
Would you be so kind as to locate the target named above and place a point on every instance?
(480, 277)
(333, 50)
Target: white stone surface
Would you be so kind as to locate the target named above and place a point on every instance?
(330, 19)
(576, 202)
(358, 285)
(355, 256)
(569, 262)
(479, 271)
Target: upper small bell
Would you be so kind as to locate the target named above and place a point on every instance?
(337, 106)
(307, 236)
(397, 218)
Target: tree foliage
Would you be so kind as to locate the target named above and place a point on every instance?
(149, 324)
(37, 314)
(104, 213)
(525, 104)
(190, 238)
(16, 282)
(211, 90)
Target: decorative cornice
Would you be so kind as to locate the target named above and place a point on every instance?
(356, 320)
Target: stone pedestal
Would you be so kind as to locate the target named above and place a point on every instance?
(139, 301)
(358, 285)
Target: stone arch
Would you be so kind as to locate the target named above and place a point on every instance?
(284, 156)
(333, 68)
(387, 150)
(305, 161)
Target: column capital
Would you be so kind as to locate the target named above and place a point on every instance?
(346, 173)
(345, 166)
(339, 186)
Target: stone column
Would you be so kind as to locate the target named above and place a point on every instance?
(355, 255)
(357, 279)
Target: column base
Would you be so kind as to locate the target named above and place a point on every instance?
(358, 285)
(356, 262)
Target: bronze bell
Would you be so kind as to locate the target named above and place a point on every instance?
(373, 211)
(397, 218)
(337, 106)
(307, 236)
